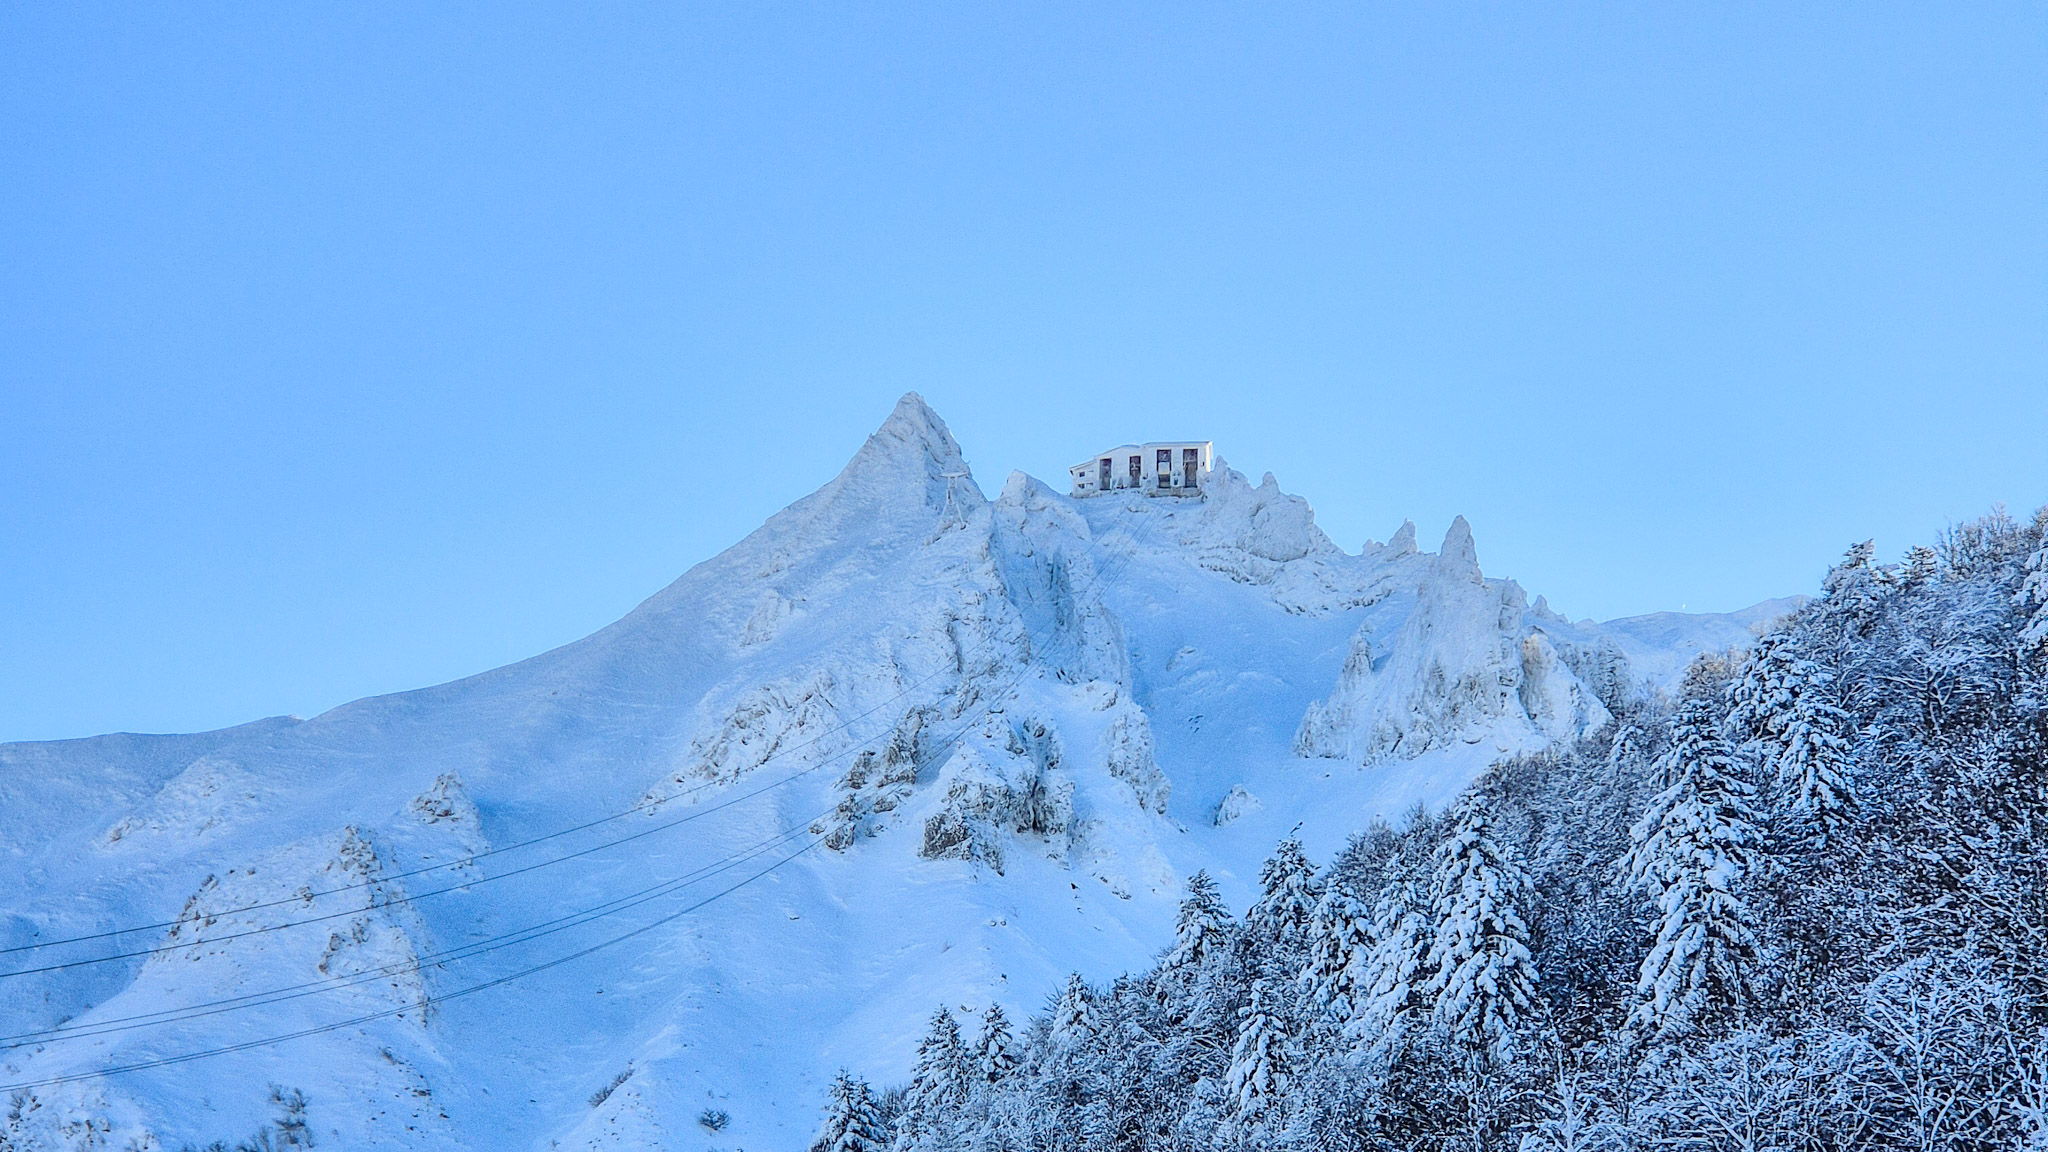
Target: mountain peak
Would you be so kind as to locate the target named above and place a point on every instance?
(913, 444)
(912, 452)
(913, 426)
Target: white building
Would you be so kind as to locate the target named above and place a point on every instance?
(1159, 468)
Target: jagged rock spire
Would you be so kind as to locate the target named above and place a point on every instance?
(1403, 543)
(1458, 547)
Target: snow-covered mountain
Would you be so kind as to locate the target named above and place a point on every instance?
(903, 745)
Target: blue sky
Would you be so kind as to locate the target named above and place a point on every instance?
(349, 348)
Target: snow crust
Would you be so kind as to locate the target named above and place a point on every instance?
(1009, 728)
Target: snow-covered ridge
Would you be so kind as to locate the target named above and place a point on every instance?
(1007, 727)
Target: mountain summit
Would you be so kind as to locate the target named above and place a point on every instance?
(912, 452)
(902, 745)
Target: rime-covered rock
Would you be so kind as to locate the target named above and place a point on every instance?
(1235, 803)
(1465, 665)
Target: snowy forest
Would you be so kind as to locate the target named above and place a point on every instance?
(1801, 902)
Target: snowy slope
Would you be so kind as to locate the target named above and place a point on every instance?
(902, 745)
(1658, 646)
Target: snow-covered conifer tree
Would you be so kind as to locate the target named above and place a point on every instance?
(1854, 590)
(938, 1086)
(1336, 977)
(1814, 764)
(996, 1050)
(1781, 709)
(852, 1122)
(1690, 852)
(1201, 925)
(1626, 749)
(1761, 691)
(1397, 969)
(2033, 593)
(1258, 1078)
(1073, 1014)
(1920, 565)
(1287, 899)
(1483, 978)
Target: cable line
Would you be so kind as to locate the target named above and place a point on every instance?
(439, 959)
(412, 898)
(389, 1012)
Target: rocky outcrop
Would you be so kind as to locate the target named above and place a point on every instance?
(1463, 666)
(998, 789)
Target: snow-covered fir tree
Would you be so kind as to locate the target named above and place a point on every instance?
(1761, 693)
(852, 1121)
(1073, 1014)
(1287, 896)
(1403, 940)
(1336, 976)
(1920, 565)
(1854, 591)
(1780, 707)
(1690, 853)
(939, 1087)
(1257, 1078)
(1625, 751)
(995, 1050)
(1200, 927)
(1482, 975)
(2033, 593)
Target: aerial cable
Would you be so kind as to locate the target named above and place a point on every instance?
(466, 885)
(400, 1011)
(409, 898)
(439, 959)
